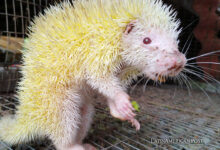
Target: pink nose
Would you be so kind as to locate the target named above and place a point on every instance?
(176, 65)
(174, 61)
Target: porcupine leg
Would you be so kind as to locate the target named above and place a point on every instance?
(118, 100)
(87, 111)
(65, 136)
(76, 106)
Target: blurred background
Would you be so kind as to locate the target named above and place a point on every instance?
(201, 35)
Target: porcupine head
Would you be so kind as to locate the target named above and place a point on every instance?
(150, 43)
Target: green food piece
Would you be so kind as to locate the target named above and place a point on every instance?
(135, 105)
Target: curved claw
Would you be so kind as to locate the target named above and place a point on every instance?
(135, 123)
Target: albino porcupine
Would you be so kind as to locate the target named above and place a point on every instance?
(89, 46)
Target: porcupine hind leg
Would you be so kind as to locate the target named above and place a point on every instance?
(87, 111)
(65, 137)
(77, 113)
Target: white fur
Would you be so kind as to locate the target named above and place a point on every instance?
(71, 119)
(149, 59)
(108, 86)
(75, 123)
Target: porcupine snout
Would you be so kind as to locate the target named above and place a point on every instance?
(172, 61)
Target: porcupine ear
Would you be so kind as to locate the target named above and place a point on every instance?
(130, 27)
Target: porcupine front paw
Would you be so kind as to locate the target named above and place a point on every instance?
(122, 109)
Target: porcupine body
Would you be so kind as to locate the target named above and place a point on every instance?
(69, 46)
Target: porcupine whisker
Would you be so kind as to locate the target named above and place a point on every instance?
(186, 81)
(204, 68)
(146, 84)
(206, 75)
(191, 39)
(202, 55)
(176, 80)
(215, 63)
(180, 81)
(196, 73)
(134, 86)
(201, 89)
(206, 80)
(193, 66)
(188, 38)
(188, 26)
(208, 56)
(211, 69)
(186, 77)
(200, 76)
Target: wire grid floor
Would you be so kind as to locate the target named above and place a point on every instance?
(166, 113)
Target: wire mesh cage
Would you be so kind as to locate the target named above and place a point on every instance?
(15, 16)
(179, 117)
(18, 14)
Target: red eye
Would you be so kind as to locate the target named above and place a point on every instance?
(147, 40)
